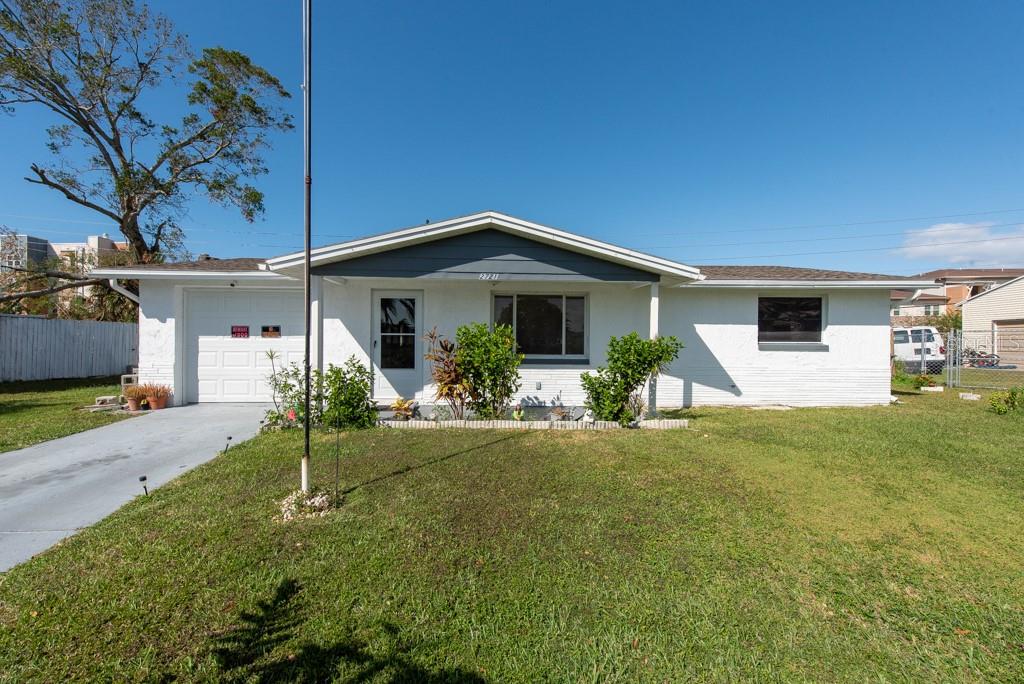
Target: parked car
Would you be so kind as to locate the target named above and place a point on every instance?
(908, 344)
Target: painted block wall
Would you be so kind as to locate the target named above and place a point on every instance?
(721, 364)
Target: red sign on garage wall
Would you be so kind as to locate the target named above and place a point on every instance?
(239, 331)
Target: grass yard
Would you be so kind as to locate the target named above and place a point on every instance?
(879, 544)
(33, 412)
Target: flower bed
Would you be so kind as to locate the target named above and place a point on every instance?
(653, 424)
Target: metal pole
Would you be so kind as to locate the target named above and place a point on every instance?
(307, 116)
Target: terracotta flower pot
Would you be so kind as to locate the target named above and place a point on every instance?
(156, 403)
(133, 404)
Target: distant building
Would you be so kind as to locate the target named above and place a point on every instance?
(994, 321)
(952, 287)
(80, 258)
(22, 251)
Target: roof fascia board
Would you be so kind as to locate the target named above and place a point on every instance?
(146, 274)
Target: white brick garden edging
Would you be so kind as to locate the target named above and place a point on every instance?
(653, 424)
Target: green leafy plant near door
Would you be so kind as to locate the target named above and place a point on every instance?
(613, 390)
(489, 363)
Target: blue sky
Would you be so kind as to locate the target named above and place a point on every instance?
(704, 132)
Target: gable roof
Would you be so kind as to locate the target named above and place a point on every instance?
(537, 232)
(679, 274)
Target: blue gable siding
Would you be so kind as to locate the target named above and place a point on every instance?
(485, 254)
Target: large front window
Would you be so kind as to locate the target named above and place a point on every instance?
(545, 325)
(789, 319)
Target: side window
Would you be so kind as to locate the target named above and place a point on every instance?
(789, 319)
(901, 337)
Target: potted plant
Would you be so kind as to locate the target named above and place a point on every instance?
(156, 395)
(134, 395)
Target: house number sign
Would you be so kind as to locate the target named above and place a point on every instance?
(239, 331)
(489, 276)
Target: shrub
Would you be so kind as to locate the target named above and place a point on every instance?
(922, 380)
(287, 386)
(632, 360)
(1007, 401)
(449, 384)
(403, 408)
(347, 396)
(489, 364)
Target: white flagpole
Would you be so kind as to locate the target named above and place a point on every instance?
(307, 102)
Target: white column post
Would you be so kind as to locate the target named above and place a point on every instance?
(652, 386)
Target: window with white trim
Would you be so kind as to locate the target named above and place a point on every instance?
(546, 325)
(931, 309)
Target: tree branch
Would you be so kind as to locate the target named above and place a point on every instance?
(15, 296)
(49, 182)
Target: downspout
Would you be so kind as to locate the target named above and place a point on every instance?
(122, 291)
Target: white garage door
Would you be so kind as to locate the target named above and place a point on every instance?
(229, 332)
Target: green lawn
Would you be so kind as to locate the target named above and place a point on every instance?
(880, 544)
(32, 412)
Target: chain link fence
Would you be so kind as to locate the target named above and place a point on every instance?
(985, 359)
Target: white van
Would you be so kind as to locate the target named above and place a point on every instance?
(907, 344)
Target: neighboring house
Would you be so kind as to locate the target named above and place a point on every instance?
(993, 321)
(957, 284)
(753, 334)
(913, 307)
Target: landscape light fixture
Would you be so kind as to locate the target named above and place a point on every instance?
(145, 489)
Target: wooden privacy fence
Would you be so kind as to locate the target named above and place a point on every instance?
(36, 348)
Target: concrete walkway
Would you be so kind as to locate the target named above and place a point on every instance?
(51, 490)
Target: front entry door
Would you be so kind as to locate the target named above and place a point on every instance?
(397, 348)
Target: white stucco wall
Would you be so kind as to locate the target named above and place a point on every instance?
(157, 332)
(721, 364)
(724, 364)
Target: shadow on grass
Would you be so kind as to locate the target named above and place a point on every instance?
(24, 386)
(247, 652)
(424, 464)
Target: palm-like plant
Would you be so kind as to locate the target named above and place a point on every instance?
(449, 384)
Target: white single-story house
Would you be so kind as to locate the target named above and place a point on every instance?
(754, 335)
(994, 321)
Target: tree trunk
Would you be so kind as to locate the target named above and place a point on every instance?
(136, 241)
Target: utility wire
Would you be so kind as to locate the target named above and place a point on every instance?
(869, 249)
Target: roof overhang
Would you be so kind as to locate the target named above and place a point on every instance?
(184, 274)
(813, 284)
(291, 264)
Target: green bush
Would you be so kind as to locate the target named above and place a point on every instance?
(612, 390)
(339, 397)
(489, 365)
(347, 396)
(287, 386)
(1005, 402)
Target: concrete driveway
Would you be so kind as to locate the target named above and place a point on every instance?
(51, 490)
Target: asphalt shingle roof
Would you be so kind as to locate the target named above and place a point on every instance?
(711, 272)
(789, 273)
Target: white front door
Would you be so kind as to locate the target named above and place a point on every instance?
(397, 345)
